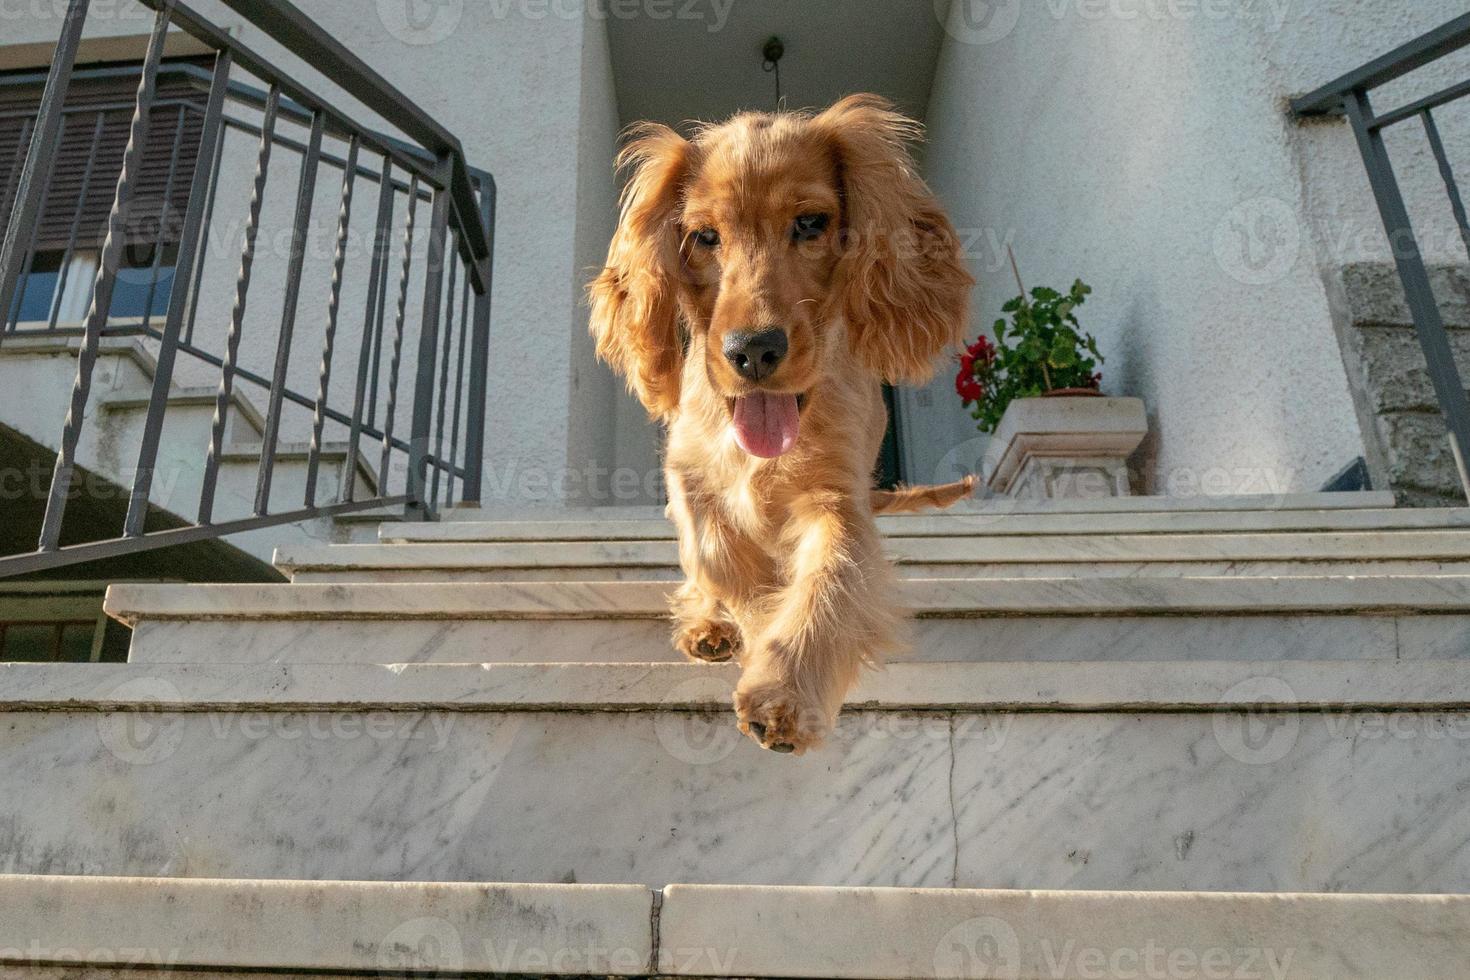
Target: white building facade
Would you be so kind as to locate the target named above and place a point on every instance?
(1144, 146)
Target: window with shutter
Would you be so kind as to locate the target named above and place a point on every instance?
(73, 223)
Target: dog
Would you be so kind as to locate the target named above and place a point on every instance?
(768, 274)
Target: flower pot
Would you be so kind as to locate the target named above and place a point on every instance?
(1072, 393)
(1056, 447)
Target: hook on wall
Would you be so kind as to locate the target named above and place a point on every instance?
(771, 53)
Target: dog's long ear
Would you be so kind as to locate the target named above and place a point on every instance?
(905, 290)
(635, 307)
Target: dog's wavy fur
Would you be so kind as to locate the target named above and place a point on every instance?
(782, 558)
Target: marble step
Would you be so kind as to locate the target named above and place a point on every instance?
(278, 928)
(1231, 776)
(1161, 618)
(990, 556)
(1370, 499)
(615, 527)
(43, 369)
(139, 399)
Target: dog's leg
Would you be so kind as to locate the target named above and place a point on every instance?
(722, 568)
(703, 628)
(835, 615)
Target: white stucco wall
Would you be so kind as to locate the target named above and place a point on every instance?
(1145, 148)
(527, 88)
(1140, 144)
(612, 457)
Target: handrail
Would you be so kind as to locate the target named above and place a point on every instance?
(1443, 40)
(288, 26)
(1351, 94)
(453, 229)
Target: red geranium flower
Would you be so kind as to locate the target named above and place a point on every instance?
(982, 350)
(969, 389)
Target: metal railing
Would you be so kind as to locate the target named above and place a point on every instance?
(446, 251)
(1351, 95)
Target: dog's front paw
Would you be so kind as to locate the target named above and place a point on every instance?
(711, 641)
(778, 717)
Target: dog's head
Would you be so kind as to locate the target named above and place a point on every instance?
(779, 241)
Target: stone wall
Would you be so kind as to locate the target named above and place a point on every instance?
(1404, 432)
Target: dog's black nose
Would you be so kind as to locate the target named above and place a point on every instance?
(756, 355)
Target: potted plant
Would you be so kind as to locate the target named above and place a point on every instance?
(1037, 388)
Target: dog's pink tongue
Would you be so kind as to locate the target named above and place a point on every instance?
(765, 424)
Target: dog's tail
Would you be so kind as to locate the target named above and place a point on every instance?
(907, 500)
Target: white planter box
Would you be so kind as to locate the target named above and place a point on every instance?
(1065, 447)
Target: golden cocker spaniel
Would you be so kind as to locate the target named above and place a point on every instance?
(767, 275)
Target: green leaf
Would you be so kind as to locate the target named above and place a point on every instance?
(1062, 356)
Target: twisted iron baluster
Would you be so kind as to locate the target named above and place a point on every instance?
(372, 325)
(237, 312)
(112, 248)
(413, 198)
(184, 264)
(280, 374)
(324, 373)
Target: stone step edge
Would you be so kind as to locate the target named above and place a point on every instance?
(1311, 500)
(452, 929)
(17, 344)
(260, 924)
(1055, 686)
(126, 399)
(1289, 546)
(954, 597)
(932, 524)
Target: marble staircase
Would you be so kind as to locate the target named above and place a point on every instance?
(36, 377)
(1303, 534)
(1128, 737)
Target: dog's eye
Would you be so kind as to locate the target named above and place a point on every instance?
(808, 226)
(705, 237)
